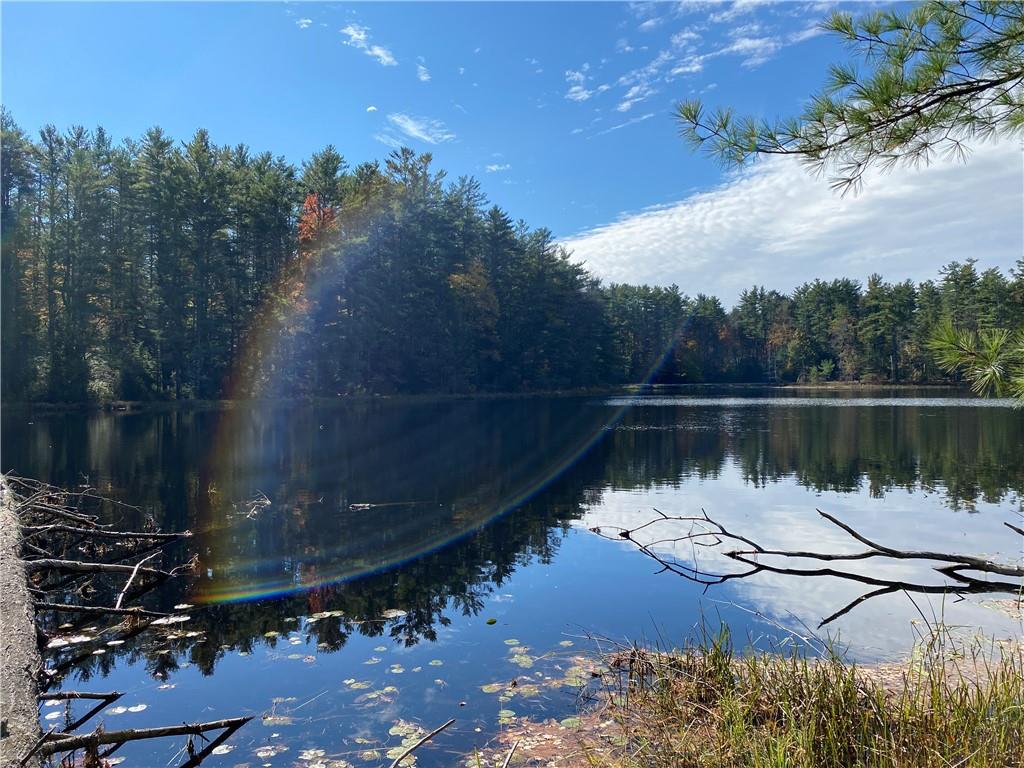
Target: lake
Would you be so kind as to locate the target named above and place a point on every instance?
(375, 564)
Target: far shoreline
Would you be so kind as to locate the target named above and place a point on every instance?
(156, 406)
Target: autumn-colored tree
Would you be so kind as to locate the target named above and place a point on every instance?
(318, 220)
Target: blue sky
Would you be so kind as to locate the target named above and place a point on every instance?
(562, 110)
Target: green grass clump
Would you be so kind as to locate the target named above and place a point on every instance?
(708, 707)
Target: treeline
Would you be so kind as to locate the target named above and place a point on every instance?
(153, 270)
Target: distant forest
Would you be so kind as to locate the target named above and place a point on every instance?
(148, 270)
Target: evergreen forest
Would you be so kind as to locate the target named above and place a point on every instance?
(156, 270)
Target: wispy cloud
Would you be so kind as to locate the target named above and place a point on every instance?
(631, 121)
(371, 108)
(425, 129)
(422, 73)
(754, 50)
(358, 37)
(303, 23)
(777, 225)
(633, 96)
(389, 140)
(497, 167)
(576, 79)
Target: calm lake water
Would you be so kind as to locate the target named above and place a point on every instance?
(351, 556)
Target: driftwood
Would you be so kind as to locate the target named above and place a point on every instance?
(99, 610)
(64, 742)
(707, 532)
(105, 700)
(398, 760)
(64, 546)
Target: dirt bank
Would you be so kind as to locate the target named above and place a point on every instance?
(20, 659)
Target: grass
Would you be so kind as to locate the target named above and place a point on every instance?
(708, 707)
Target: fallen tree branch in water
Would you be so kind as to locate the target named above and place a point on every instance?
(709, 533)
(398, 760)
(61, 548)
(62, 742)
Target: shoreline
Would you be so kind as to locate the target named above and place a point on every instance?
(156, 406)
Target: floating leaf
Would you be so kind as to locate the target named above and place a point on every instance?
(271, 634)
(117, 710)
(311, 754)
(436, 662)
(396, 669)
(492, 621)
(566, 643)
(492, 687)
(381, 648)
(511, 641)
(358, 685)
(223, 749)
(270, 720)
(271, 750)
(370, 755)
(372, 660)
(506, 716)
(522, 660)
(570, 722)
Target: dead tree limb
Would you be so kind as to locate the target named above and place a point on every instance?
(79, 566)
(65, 742)
(398, 760)
(99, 610)
(706, 532)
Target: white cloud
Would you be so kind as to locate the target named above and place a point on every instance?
(754, 50)
(371, 108)
(577, 78)
(358, 37)
(738, 8)
(497, 167)
(303, 23)
(634, 95)
(389, 140)
(425, 129)
(776, 224)
(422, 73)
(631, 121)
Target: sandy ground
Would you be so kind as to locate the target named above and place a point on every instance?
(20, 656)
